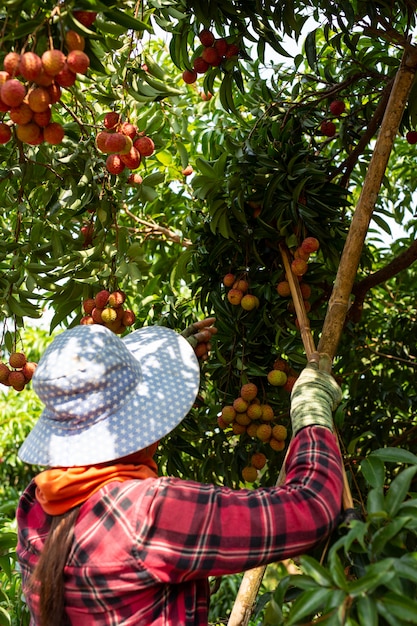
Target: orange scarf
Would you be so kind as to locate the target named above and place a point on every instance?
(60, 489)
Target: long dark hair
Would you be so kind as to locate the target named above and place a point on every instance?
(48, 575)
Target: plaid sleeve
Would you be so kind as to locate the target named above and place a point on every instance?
(192, 530)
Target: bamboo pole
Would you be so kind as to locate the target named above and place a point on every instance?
(339, 300)
(349, 262)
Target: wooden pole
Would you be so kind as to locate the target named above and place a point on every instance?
(339, 300)
(349, 262)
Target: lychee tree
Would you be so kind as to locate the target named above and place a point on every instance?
(175, 152)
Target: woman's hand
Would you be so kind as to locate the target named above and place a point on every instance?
(199, 335)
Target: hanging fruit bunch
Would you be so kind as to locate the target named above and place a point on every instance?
(107, 308)
(18, 372)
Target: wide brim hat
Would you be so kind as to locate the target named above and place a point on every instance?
(106, 397)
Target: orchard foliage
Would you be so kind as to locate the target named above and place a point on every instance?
(263, 147)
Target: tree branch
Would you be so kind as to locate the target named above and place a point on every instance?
(158, 230)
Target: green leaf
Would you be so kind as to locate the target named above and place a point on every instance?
(5, 619)
(385, 534)
(130, 22)
(394, 455)
(373, 471)
(308, 603)
(311, 50)
(402, 607)
(367, 611)
(399, 489)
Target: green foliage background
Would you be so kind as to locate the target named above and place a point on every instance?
(263, 175)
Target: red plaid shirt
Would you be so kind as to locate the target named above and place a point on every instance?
(143, 550)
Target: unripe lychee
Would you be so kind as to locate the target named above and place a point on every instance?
(279, 432)
(299, 267)
(277, 378)
(30, 66)
(310, 244)
(53, 133)
(248, 391)
(249, 302)
(78, 61)
(39, 99)
(74, 41)
(145, 146)
(114, 164)
(249, 474)
(101, 298)
(189, 76)
(240, 405)
(283, 288)
(206, 37)
(258, 460)
(53, 61)
(12, 92)
(11, 63)
(5, 133)
(229, 279)
(264, 432)
(108, 315)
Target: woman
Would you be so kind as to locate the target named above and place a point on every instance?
(102, 539)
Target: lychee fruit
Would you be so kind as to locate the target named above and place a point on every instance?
(411, 137)
(310, 245)
(277, 378)
(206, 37)
(65, 78)
(11, 63)
(78, 61)
(299, 267)
(111, 120)
(114, 164)
(128, 129)
(86, 18)
(43, 118)
(235, 296)
(13, 92)
(17, 380)
(221, 46)
(283, 289)
(200, 65)
(53, 61)
(258, 460)
(229, 279)
(189, 76)
(29, 133)
(39, 99)
(328, 128)
(29, 369)
(53, 133)
(248, 391)
(101, 298)
(115, 142)
(145, 146)
(337, 107)
(5, 133)
(135, 179)
(264, 432)
(249, 474)
(74, 41)
(228, 414)
(277, 445)
(17, 359)
(4, 373)
(132, 159)
(279, 432)
(30, 65)
(267, 413)
(249, 302)
(211, 56)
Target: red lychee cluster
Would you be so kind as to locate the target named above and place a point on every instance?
(31, 84)
(247, 415)
(124, 145)
(328, 127)
(107, 309)
(215, 52)
(18, 372)
(238, 293)
(299, 266)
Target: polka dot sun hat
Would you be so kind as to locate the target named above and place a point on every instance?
(106, 397)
